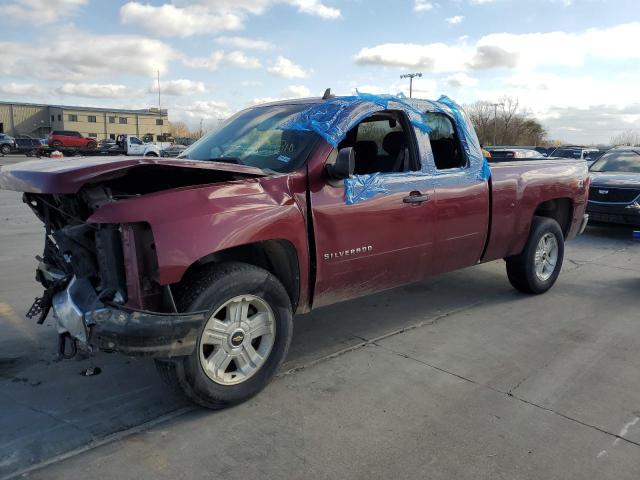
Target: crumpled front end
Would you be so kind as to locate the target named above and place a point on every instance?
(101, 283)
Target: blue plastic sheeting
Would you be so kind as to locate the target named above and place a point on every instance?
(333, 118)
(362, 187)
(468, 136)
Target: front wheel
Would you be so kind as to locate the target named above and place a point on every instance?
(244, 340)
(5, 149)
(537, 268)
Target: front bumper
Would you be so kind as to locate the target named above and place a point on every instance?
(115, 328)
(625, 214)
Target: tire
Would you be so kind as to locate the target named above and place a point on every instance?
(535, 271)
(223, 289)
(5, 149)
(92, 145)
(151, 154)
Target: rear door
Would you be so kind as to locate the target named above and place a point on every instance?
(461, 199)
(385, 237)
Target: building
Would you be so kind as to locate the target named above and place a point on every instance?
(38, 120)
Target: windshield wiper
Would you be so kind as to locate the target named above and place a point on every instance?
(234, 160)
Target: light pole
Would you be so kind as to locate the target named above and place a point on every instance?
(160, 109)
(495, 121)
(411, 76)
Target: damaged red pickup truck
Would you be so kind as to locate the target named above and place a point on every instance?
(202, 261)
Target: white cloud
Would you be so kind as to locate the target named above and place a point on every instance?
(455, 20)
(297, 91)
(105, 56)
(283, 67)
(21, 89)
(218, 58)
(461, 79)
(316, 8)
(482, 2)
(178, 88)
(94, 90)
(292, 91)
(239, 59)
(209, 16)
(245, 43)
(170, 21)
(422, 6)
(513, 51)
(41, 11)
(211, 63)
(210, 113)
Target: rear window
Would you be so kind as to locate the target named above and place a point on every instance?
(567, 153)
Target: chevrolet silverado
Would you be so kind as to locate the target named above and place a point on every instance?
(201, 261)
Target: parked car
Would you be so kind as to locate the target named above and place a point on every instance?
(71, 139)
(7, 144)
(500, 154)
(173, 151)
(614, 195)
(201, 261)
(28, 145)
(590, 155)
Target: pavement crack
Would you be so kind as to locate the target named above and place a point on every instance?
(512, 396)
(372, 341)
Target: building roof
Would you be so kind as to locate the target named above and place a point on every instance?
(146, 111)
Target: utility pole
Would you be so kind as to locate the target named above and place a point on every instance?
(160, 108)
(411, 76)
(495, 121)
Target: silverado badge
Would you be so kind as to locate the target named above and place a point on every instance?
(348, 253)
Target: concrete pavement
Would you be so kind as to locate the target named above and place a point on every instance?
(456, 377)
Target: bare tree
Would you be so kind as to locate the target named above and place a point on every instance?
(629, 138)
(180, 130)
(510, 123)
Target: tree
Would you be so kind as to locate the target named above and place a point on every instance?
(630, 138)
(180, 130)
(509, 123)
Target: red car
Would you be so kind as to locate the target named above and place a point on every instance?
(70, 139)
(201, 261)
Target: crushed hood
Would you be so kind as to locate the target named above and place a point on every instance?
(68, 175)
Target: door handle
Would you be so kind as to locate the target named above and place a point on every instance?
(416, 198)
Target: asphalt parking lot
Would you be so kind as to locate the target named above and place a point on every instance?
(456, 377)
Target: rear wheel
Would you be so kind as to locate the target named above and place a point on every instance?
(92, 145)
(5, 149)
(244, 340)
(151, 154)
(537, 268)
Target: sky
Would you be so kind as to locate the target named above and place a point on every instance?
(574, 64)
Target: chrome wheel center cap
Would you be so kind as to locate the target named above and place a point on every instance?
(237, 338)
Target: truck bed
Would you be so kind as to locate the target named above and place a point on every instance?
(519, 189)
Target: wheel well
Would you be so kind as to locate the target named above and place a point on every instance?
(560, 209)
(278, 257)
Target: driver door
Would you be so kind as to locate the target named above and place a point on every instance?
(379, 242)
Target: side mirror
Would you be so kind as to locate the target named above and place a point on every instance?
(344, 166)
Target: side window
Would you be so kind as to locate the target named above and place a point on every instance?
(445, 144)
(381, 144)
(136, 141)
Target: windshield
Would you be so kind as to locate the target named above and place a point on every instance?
(625, 161)
(255, 137)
